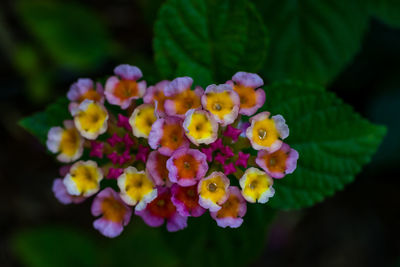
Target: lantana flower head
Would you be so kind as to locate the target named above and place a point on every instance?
(279, 163)
(267, 133)
(84, 89)
(232, 211)
(176, 154)
(200, 127)
(83, 179)
(245, 85)
(222, 103)
(115, 214)
(137, 189)
(181, 97)
(67, 142)
(122, 89)
(91, 119)
(142, 119)
(256, 185)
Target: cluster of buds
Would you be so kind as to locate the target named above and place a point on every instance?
(168, 151)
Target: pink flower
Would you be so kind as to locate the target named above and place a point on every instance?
(114, 173)
(242, 159)
(124, 122)
(227, 151)
(155, 95)
(161, 209)
(128, 140)
(180, 97)
(217, 144)
(186, 200)
(208, 152)
(114, 139)
(121, 91)
(60, 192)
(229, 168)
(115, 214)
(232, 132)
(245, 85)
(167, 135)
(143, 152)
(97, 149)
(186, 166)
(220, 158)
(156, 166)
(279, 163)
(84, 89)
(232, 211)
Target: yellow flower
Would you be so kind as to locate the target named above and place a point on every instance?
(213, 191)
(83, 179)
(266, 133)
(142, 120)
(222, 102)
(200, 127)
(91, 119)
(67, 141)
(136, 188)
(256, 185)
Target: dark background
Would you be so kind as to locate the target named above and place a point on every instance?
(359, 226)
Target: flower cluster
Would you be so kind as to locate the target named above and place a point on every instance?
(169, 152)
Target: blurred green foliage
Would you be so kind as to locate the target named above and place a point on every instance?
(203, 243)
(386, 10)
(72, 34)
(56, 246)
(63, 36)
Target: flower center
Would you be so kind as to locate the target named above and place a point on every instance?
(212, 187)
(199, 127)
(262, 133)
(272, 161)
(253, 185)
(161, 203)
(186, 165)
(191, 193)
(217, 106)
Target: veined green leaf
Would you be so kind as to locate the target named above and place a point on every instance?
(333, 142)
(312, 40)
(208, 40)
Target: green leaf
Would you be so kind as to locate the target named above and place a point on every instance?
(312, 40)
(55, 246)
(386, 10)
(39, 123)
(72, 34)
(208, 40)
(203, 243)
(333, 142)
